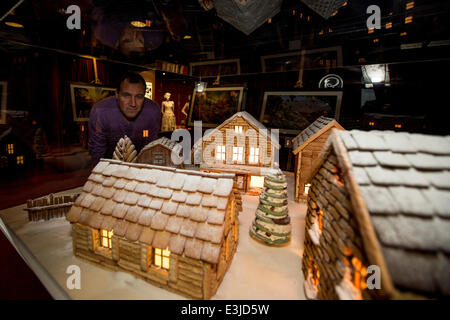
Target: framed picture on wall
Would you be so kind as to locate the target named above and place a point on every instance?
(84, 96)
(3, 100)
(215, 67)
(316, 58)
(214, 105)
(149, 90)
(291, 112)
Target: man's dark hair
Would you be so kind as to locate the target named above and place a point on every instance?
(132, 78)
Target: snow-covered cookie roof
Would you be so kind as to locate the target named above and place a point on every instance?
(165, 142)
(311, 130)
(404, 180)
(158, 206)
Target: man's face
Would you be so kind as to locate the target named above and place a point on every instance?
(131, 98)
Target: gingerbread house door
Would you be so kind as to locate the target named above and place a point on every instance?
(241, 182)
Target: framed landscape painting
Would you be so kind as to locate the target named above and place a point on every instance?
(291, 112)
(84, 96)
(306, 59)
(215, 67)
(214, 105)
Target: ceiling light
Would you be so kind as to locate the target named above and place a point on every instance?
(186, 37)
(14, 24)
(138, 24)
(375, 73)
(200, 86)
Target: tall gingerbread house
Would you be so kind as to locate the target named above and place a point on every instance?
(378, 220)
(240, 145)
(306, 148)
(176, 229)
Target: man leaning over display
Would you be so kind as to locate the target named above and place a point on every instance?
(128, 113)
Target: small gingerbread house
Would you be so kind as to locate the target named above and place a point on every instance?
(307, 146)
(176, 229)
(162, 152)
(378, 211)
(240, 145)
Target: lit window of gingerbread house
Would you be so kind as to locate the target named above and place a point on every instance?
(306, 148)
(240, 145)
(384, 197)
(177, 229)
(161, 152)
(16, 149)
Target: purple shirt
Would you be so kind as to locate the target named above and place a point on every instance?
(107, 125)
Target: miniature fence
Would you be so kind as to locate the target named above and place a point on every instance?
(49, 207)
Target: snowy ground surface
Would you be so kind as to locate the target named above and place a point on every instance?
(256, 272)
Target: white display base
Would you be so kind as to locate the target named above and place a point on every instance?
(256, 272)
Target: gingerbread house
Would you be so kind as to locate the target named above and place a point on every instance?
(162, 152)
(176, 229)
(306, 149)
(240, 145)
(378, 211)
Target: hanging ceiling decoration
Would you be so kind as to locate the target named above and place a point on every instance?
(247, 15)
(325, 8)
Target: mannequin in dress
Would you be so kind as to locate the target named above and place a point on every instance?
(185, 109)
(168, 116)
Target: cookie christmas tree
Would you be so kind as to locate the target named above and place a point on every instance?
(272, 224)
(125, 150)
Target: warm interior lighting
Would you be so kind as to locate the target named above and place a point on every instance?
(294, 12)
(162, 258)
(314, 271)
(307, 186)
(269, 20)
(308, 18)
(238, 154)
(371, 30)
(409, 5)
(10, 148)
(238, 129)
(14, 24)
(320, 219)
(339, 176)
(19, 159)
(256, 182)
(371, 123)
(321, 32)
(220, 153)
(301, 15)
(398, 126)
(254, 155)
(186, 37)
(358, 271)
(388, 25)
(403, 34)
(105, 238)
(408, 19)
(376, 40)
(82, 128)
(334, 13)
(145, 133)
(344, 4)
